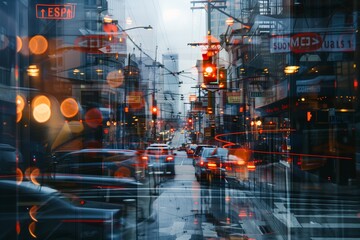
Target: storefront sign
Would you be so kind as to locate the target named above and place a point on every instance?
(313, 42)
(233, 97)
(133, 99)
(55, 11)
(308, 89)
(261, 94)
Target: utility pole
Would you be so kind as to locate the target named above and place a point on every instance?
(153, 99)
(209, 6)
(153, 95)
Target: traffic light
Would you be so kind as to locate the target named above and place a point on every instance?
(154, 111)
(222, 78)
(209, 70)
(190, 123)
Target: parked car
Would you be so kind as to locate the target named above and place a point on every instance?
(106, 175)
(210, 164)
(30, 211)
(160, 159)
(119, 163)
(197, 152)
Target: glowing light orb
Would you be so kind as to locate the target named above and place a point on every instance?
(38, 44)
(93, 118)
(20, 103)
(42, 113)
(19, 44)
(115, 78)
(69, 107)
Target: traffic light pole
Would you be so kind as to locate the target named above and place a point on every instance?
(153, 97)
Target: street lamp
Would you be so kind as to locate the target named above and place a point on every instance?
(143, 27)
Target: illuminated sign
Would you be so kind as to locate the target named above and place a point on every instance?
(91, 43)
(55, 11)
(305, 42)
(233, 97)
(261, 94)
(313, 42)
(308, 89)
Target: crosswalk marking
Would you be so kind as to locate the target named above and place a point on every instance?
(318, 212)
(330, 238)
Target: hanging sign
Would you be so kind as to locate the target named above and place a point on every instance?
(55, 11)
(313, 42)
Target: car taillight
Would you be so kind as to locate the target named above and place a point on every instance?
(144, 158)
(202, 163)
(251, 166)
(241, 162)
(170, 159)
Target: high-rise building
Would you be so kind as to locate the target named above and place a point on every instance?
(170, 85)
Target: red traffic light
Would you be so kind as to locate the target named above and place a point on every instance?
(209, 73)
(209, 70)
(154, 111)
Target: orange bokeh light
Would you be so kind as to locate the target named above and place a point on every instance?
(18, 116)
(69, 107)
(93, 118)
(38, 44)
(42, 113)
(115, 78)
(41, 99)
(31, 229)
(19, 176)
(20, 103)
(41, 108)
(19, 44)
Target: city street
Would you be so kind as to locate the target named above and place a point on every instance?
(186, 209)
(192, 119)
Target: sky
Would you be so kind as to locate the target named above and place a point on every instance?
(175, 25)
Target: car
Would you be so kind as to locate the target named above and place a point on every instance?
(238, 163)
(30, 211)
(190, 150)
(197, 151)
(168, 144)
(120, 163)
(160, 159)
(209, 167)
(106, 175)
(182, 147)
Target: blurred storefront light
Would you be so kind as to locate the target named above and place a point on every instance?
(33, 71)
(291, 69)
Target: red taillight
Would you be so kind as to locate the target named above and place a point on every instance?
(240, 162)
(170, 159)
(144, 158)
(202, 163)
(211, 164)
(251, 166)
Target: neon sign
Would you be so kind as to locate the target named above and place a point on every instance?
(55, 11)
